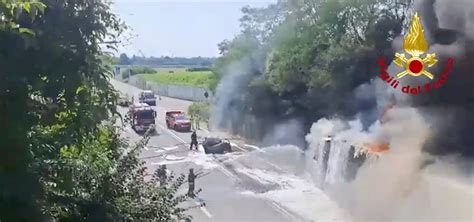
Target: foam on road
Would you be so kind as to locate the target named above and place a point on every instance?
(253, 184)
(297, 195)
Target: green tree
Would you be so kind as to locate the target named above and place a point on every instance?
(60, 157)
(124, 60)
(102, 179)
(307, 57)
(109, 59)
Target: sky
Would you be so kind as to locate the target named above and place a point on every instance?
(185, 28)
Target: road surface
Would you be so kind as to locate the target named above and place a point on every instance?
(240, 186)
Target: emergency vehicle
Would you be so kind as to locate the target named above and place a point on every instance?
(178, 120)
(147, 97)
(142, 117)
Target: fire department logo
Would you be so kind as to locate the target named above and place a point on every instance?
(416, 46)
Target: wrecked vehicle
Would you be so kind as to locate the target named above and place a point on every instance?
(351, 154)
(213, 145)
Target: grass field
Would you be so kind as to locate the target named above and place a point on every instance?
(205, 79)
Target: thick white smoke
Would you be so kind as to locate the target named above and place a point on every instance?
(407, 183)
(395, 186)
(225, 110)
(286, 133)
(381, 185)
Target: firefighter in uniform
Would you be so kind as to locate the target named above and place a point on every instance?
(191, 179)
(193, 140)
(161, 173)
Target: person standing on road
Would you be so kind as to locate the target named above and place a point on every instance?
(161, 173)
(193, 140)
(191, 179)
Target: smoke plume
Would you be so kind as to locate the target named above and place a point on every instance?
(227, 112)
(449, 28)
(428, 172)
(405, 183)
(287, 133)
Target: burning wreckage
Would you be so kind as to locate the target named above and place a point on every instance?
(340, 158)
(351, 154)
(448, 109)
(355, 155)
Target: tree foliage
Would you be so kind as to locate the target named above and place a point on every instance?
(199, 111)
(166, 61)
(110, 183)
(124, 60)
(307, 57)
(61, 159)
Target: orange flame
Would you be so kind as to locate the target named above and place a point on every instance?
(378, 147)
(381, 146)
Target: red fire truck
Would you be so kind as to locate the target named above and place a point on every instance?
(178, 120)
(142, 117)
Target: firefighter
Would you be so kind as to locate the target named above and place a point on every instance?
(161, 173)
(191, 178)
(193, 140)
(191, 181)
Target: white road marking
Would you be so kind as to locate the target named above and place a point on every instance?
(172, 134)
(283, 211)
(203, 209)
(163, 149)
(173, 158)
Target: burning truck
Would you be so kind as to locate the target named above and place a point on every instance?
(339, 159)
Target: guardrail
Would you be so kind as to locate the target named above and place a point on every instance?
(190, 93)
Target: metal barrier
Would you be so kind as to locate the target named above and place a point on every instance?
(190, 93)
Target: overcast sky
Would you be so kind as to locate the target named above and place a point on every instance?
(181, 27)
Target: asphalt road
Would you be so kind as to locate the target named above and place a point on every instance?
(254, 184)
(225, 188)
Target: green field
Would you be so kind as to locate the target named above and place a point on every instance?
(205, 79)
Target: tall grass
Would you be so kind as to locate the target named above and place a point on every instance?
(203, 79)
